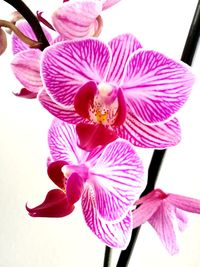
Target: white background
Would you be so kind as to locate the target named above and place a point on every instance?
(42, 242)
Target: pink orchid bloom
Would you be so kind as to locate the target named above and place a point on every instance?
(165, 212)
(79, 18)
(26, 62)
(108, 180)
(115, 90)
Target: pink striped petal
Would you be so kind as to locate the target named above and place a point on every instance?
(159, 136)
(76, 19)
(24, 27)
(109, 3)
(68, 66)
(145, 211)
(64, 113)
(58, 39)
(122, 47)
(155, 86)
(74, 189)
(94, 155)
(62, 139)
(182, 219)
(161, 221)
(184, 203)
(117, 180)
(116, 235)
(55, 205)
(26, 67)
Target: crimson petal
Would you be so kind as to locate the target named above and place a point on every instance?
(93, 135)
(25, 93)
(55, 205)
(74, 188)
(84, 98)
(121, 112)
(55, 173)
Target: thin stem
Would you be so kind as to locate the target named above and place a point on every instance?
(107, 257)
(158, 155)
(31, 19)
(24, 38)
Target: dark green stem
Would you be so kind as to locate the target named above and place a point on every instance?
(107, 257)
(21, 7)
(158, 155)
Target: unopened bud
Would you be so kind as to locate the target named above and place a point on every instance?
(14, 17)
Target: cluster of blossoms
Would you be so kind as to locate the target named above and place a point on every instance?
(106, 99)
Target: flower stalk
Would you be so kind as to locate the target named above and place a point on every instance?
(158, 155)
(24, 38)
(22, 8)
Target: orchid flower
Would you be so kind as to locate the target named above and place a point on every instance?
(115, 90)
(26, 62)
(166, 214)
(108, 180)
(80, 18)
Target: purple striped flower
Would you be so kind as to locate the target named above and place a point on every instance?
(108, 180)
(166, 214)
(115, 90)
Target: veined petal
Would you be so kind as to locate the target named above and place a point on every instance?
(159, 136)
(26, 67)
(109, 3)
(64, 113)
(116, 235)
(55, 205)
(122, 47)
(156, 194)
(25, 28)
(155, 86)
(62, 139)
(67, 66)
(145, 211)
(182, 219)
(184, 203)
(117, 178)
(161, 221)
(57, 39)
(76, 19)
(93, 155)
(74, 187)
